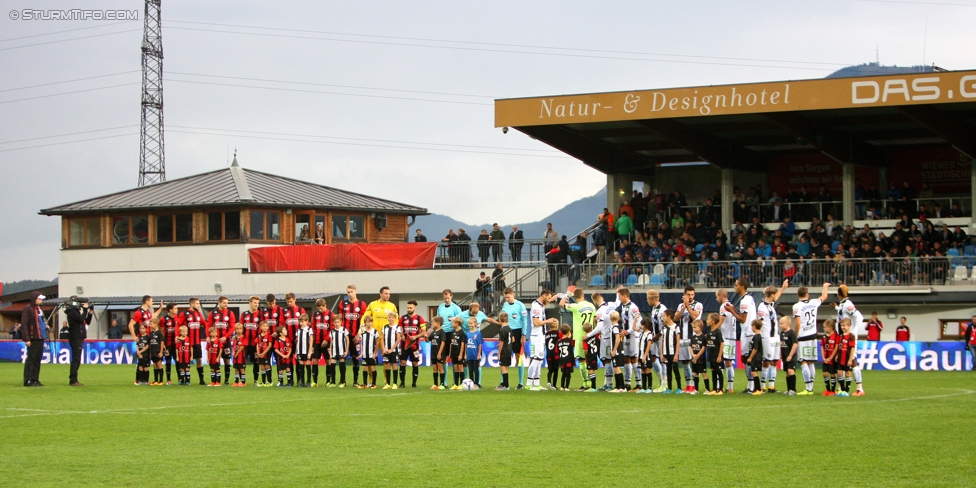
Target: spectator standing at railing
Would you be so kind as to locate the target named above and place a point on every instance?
(777, 213)
(452, 250)
(626, 209)
(420, 237)
(893, 193)
(482, 287)
(625, 225)
(515, 239)
(955, 211)
(675, 202)
(549, 238)
(497, 282)
(497, 238)
(484, 246)
(465, 248)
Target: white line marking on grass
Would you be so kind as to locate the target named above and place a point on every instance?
(155, 410)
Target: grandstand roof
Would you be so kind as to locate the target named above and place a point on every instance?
(851, 120)
(234, 186)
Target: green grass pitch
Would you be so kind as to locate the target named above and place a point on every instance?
(912, 429)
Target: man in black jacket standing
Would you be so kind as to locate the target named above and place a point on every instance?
(79, 317)
(35, 331)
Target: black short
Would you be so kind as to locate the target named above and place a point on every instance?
(788, 365)
(619, 361)
(302, 357)
(250, 353)
(843, 367)
(226, 354)
(456, 359)
(756, 364)
(698, 367)
(197, 352)
(719, 366)
(517, 341)
(412, 355)
(262, 361)
(144, 362)
(591, 362)
(505, 357)
(552, 363)
(369, 361)
(180, 366)
(391, 358)
(154, 354)
(649, 364)
(238, 365)
(829, 368)
(434, 358)
(318, 352)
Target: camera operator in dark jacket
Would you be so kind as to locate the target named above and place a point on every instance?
(79, 317)
(34, 333)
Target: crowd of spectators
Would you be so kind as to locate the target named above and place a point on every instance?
(764, 243)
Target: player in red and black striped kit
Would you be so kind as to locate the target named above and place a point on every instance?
(289, 316)
(412, 324)
(845, 356)
(321, 328)
(184, 354)
(194, 321)
(829, 344)
(251, 319)
(272, 313)
(167, 323)
(224, 320)
(352, 309)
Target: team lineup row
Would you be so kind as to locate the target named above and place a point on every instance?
(615, 333)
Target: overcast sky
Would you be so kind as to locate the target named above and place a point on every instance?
(397, 96)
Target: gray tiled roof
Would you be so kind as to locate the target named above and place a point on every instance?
(221, 188)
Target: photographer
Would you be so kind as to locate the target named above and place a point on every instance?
(34, 333)
(79, 315)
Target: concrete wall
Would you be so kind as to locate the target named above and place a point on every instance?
(700, 182)
(195, 270)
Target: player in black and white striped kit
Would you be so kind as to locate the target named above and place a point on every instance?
(766, 311)
(657, 325)
(304, 338)
(601, 327)
(688, 311)
(392, 338)
(339, 347)
(630, 320)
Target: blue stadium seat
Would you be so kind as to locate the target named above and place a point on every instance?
(632, 280)
(969, 250)
(698, 248)
(833, 246)
(656, 280)
(597, 280)
(952, 252)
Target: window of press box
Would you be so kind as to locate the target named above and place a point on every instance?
(174, 228)
(348, 227)
(264, 226)
(84, 232)
(223, 226)
(130, 230)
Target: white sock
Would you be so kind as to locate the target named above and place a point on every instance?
(627, 373)
(857, 377)
(762, 377)
(730, 378)
(637, 374)
(657, 369)
(771, 382)
(748, 378)
(608, 373)
(688, 379)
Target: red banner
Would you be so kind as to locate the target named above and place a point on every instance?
(342, 257)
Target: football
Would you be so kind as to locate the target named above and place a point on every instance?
(467, 385)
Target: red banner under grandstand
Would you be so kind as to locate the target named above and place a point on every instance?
(342, 257)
